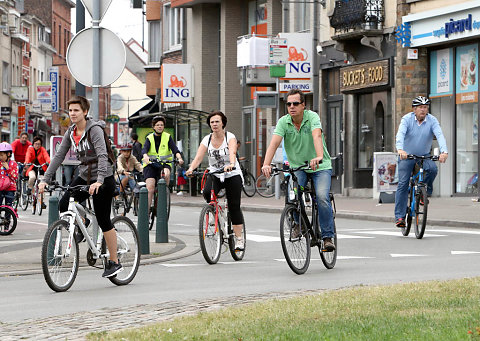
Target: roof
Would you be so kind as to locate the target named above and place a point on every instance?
(175, 114)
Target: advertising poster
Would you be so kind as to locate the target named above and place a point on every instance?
(467, 74)
(177, 83)
(441, 72)
(385, 171)
(300, 56)
(70, 158)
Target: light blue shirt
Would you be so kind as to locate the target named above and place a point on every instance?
(417, 139)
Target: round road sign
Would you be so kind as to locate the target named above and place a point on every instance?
(112, 57)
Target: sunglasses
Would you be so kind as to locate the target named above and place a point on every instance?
(293, 103)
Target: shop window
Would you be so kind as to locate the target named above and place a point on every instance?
(467, 117)
(365, 131)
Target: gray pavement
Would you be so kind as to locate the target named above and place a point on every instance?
(452, 212)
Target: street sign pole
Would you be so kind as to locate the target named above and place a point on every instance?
(96, 58)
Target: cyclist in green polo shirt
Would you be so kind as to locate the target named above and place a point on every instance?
(301, 131)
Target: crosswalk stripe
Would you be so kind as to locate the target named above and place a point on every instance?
(351, 236)
(261, 238)
(398, 255)
(464, 252)
(458, 231)
(394, 233)
(20, 241)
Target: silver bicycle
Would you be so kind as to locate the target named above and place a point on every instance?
(60, 251)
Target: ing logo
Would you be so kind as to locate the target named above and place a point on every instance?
(177, 83)
(294, 55)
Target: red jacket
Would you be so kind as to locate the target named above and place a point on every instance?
(42, 157)
(20, 150)
(12, 173)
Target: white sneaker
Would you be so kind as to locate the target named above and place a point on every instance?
(179, 193)
(239, 244)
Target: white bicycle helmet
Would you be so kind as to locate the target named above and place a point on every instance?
(420, 100)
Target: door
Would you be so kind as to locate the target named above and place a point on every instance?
(334, 139)
(248, 147)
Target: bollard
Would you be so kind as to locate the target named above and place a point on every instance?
(143, 222)
(53, 216)
(162, 219)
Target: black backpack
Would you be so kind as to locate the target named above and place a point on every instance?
(108, 144)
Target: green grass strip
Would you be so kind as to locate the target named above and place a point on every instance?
(436, 310)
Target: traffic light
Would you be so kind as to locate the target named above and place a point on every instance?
(137, 3)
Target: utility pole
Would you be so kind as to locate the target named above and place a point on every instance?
(316, 22)
(80, 25)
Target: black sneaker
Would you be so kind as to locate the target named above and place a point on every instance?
(112, 268)
(400, 222)
(44, 206)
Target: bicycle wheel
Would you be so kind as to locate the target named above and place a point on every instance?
(135, 205)
(236, 254)
(39, 206)
(153, 211)
(420, 221)
(8, 221)
(329, 259)
(34, 204)
(59, 267)
(210, 235)
(24, 197)
(249, 184)
(118, 205)
(264, 186)
(168, 202)
(295, 248)
(128, 250)
(408, 222)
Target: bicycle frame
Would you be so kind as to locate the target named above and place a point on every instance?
(220, 213)
(416, 179)
(74, 214)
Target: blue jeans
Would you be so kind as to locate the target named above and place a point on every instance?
(9, 197)
(321, 181)
(405, 169)
(131, 182)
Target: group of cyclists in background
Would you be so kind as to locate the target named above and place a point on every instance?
(300, 131)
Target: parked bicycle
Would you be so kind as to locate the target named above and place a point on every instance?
(297, 232)
(215, 229)
(266, 187)
(249, 187)
(60, 251)
(8, 220)
(127, 199)
(153, 209)
(417, 198)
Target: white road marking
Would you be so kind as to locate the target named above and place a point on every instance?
(398, 234)
(354, 257)
(20, 241)
(31, 222)
(464, 252)
(350, 236)
(261, 239)
(318, 259)
(458, 231)
(179, 265)
(399, 255)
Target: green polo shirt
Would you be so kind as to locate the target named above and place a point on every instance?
(299, 143)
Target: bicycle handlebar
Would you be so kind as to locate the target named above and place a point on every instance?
(276, 170)
(195, 173)
(37, 166)
(55, 185)
(428, 157)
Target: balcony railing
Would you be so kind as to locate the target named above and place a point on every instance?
(357, 14)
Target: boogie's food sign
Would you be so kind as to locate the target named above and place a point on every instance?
(366, 75)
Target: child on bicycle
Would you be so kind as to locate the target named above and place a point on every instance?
(37, 155)
(126, 164)
(8, 174)
(95, 170)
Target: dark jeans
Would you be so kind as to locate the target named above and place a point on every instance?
(9, 197)
(233, 188)
(102, 201)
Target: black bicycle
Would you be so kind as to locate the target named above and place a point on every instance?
(298, 233)
(153, 209)
(128, 198)
(417, 197)
(248, 180)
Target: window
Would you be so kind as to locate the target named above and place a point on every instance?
(59, 49)
(54, 34)
(174, 18)
(154, 41)
(5, 77)
(65, 41)
(302, 16)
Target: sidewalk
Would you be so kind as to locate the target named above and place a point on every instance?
(452, 211)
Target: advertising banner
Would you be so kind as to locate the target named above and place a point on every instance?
(70, 158)
(177, 83)
(441, 73)
(300, 56)
(467, 74)
(385, 171)
(53, 76)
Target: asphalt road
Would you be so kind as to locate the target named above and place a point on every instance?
(370, 253)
